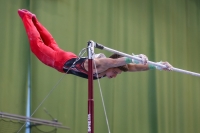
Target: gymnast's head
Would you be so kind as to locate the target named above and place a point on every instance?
(122, 68)
(113, 72)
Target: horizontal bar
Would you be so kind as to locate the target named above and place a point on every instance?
(100, 46)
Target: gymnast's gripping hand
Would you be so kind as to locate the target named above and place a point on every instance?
(144, 59)
(168, 67)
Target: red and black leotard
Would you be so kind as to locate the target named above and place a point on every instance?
(75, 66)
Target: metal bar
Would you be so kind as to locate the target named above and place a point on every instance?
(32, 120)
(36, 122)
(100, 46)
(23, 117)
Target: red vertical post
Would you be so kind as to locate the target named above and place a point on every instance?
(90, 89)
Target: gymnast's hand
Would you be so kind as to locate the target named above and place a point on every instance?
(169, 67)
(144, 59)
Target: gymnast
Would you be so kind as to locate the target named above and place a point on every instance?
(45, 48)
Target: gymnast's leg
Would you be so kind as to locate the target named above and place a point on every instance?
(44, 53)
(46, 48)
(44, 33)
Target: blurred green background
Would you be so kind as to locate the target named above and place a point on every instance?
(141, 102)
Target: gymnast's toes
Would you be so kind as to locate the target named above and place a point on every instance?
(21, 13)
(32, 15)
